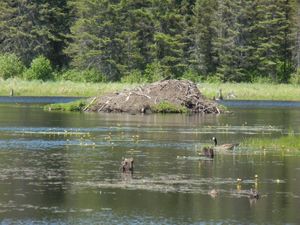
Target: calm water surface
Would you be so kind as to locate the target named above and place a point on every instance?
(63, 168)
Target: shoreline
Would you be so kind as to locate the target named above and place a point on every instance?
(230, 91)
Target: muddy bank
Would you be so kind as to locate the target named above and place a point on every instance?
(175, 94)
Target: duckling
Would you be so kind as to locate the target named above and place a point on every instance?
(127, 165)
(223, 146)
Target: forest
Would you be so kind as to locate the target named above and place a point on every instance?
(148, 40)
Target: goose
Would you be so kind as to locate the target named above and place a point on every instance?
(207, 152)
(223, 146)
(127, 165)
(253, 194)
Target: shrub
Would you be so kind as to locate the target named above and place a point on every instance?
(72, 75)
(134, 77)
(192, 76)
(154, 72)
(215, 79)
(90, 75)
(295, 78)
(40, 69)
(10, 66)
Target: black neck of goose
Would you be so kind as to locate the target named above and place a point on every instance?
(216, 142)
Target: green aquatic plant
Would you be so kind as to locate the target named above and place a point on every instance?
(75, 106)
(168, 107)
(291, 142)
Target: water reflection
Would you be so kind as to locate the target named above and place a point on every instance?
(64, 168)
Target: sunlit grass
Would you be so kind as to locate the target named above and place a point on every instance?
(287, 143)
(243, 91)
(58, 88)
(253, 91)
(75, 106)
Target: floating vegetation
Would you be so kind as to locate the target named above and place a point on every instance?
(284, 143)
(76, 106)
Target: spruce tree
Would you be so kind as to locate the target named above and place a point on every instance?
(32, 28)
(205, 34)
(168, 38)
(95, 42)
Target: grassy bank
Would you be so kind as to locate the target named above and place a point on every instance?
(242, 91)
(58, 88)
(253, 91)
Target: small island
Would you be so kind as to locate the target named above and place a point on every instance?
(165, 96)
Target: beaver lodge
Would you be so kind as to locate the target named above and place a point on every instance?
(161, 96)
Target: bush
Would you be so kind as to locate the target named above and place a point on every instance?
(10, 66)
(82, 76)
(214, 79)
(295, 78)
(94, 76)
(192, 76)
(134, 77)
(40, 69)
(154, 72)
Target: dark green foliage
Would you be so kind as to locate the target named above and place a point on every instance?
(149, 40)
(33, 28)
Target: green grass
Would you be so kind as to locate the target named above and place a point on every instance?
(58, 88)
(75, 106)
(253, 91)
(167, 107)
(284, 143)
(242, 91)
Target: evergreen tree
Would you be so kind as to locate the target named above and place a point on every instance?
(95, 43)
(227, 43)
(168, 40)
(137, 34)
(274, 47)
(32, 28)
(204, 35)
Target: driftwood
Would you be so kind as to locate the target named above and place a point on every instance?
(178, 92)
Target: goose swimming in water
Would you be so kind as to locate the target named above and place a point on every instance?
(253, 194)
(207, 152)
(223, 146)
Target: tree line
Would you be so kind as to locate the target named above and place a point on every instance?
(146, 40)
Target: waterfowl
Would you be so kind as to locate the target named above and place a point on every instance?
(253, 194)
(213, 193)
(127, 165)
(223, 146)
(207, 152)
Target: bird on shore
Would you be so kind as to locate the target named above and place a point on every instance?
(223, 146)
(127, 165)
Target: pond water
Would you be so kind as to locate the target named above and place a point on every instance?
(64, 168)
